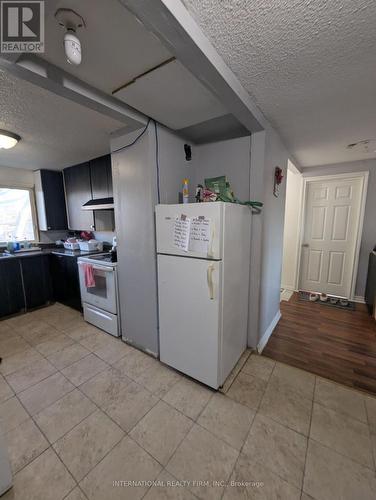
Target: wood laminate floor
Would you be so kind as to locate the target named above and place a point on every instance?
(330, 342)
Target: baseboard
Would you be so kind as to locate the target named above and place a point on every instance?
(289, 288)
(264, 339)
(359, 299)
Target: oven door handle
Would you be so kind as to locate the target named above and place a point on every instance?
(99, 268)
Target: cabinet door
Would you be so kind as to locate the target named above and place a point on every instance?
(11, 291)
(37, 280)
(101, 177)
(78, 191)
(54, 200)
(66, 285)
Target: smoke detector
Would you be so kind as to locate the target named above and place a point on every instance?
(364, 146)
(71, 22)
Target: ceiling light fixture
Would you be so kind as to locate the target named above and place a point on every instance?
(8, 139)
(71, 21)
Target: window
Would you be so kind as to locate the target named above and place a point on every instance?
(17, 215)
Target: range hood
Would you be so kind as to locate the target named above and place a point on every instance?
(99, 204)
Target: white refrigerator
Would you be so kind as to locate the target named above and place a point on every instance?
(203, 287)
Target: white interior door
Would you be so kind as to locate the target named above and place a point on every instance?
(332, 218)
(189, 316)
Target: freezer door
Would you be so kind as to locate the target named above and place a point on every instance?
(198, 246)
(189, 316)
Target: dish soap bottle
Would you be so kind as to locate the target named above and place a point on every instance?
(185, 191)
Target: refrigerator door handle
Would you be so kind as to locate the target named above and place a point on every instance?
(209, 277)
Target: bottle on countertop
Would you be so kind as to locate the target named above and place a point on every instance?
(185, 191)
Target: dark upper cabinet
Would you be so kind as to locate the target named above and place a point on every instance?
(11, 290)
(101, 177)
(36, 280)
(90, 180)
(65, 280)
(50, 198)
(78, 191)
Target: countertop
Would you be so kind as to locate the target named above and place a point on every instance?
(49, 251)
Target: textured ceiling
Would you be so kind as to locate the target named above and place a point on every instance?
(55, 132)
(309, 65)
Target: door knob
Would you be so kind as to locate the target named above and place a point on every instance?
(305, 245)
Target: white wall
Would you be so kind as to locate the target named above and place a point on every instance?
(230, 158)
(294, 185)
(16, 177)
(272, 235)
(135, 196)
(369, 228)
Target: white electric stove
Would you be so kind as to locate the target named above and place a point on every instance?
(101, 302)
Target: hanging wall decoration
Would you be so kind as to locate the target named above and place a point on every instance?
(278, 177)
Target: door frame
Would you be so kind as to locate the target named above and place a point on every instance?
(364, 186)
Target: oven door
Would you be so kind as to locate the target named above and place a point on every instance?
(103, 294)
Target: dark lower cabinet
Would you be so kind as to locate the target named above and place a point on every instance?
(65, 281)
(37, 280)
(11, 291)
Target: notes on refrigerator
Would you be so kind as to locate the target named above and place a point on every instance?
(200, 235)
(192, 234)
(182, 228)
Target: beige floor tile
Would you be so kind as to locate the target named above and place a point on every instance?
(247, 390)
(87, 443)
(81, 331)
(20, 360)
(342, 433)
(30, 375)
(68, 356)
(203, 457)
(293, 379)
(306, 497)
(371, 411)
(227, 419)
(126, 462)
(12, 414)
(252, 480)
(287, 408)
(329, 475)
(42, 395)
(6, 391)
(106, 387)
(62, 416)
(28, 324)
(158, 379)
(189, 397)
(161, 431)
(133, 404)
(166, 487)
(13, 345)
(63, 318)
(40, 334)
(57, 343)
(17, 321)
(99, 339)
(4, 327)
(76, 494)
(82, 370)
(113, 352)
(25, 443)
(277, 448)
(135, 363)
(341, 399)
(45, 478)
(259, 366)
